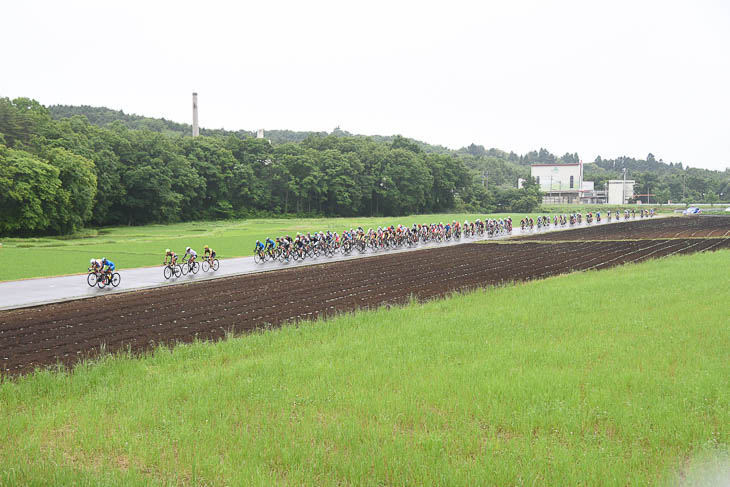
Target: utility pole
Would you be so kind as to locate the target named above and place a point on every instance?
(623, 190)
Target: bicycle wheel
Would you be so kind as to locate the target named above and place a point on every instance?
(116, 279)
(257, 258)
(216, 264)
(177, 270)
(167, 272)
(205, 266)
(196, 267)
(101, 281)
(184, 268)
(91, 279)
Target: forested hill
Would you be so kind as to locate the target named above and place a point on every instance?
(66, 167)
(102, 117)
(57, 175)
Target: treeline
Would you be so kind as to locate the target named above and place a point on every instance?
(58, 175)
(664, 182)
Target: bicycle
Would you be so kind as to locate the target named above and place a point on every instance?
(259, 256)
(210, 264)
(172, 270)
(189, 266)
(93, 277)
(108, 278)
(284, 254)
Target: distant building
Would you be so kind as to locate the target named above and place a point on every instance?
(260, 134)
(620, 193)
(563, 183)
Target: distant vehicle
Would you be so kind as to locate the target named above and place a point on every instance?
(692, 210)
(726, 209)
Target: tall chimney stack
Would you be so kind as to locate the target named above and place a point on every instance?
(196, 130)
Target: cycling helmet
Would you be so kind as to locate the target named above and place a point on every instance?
(206, 247)
(91, 261)
(187, 249)
(167, 251)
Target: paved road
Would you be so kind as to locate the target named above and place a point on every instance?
(32, 292)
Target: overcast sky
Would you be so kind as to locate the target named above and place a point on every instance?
(610, 78)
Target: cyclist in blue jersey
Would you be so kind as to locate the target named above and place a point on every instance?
(109, 267)
(108, 263)
(270, 244)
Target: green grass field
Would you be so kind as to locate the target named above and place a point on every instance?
(142, 246)
(603, 378)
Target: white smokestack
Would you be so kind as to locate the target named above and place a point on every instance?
(196, 130)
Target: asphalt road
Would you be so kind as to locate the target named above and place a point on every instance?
(32, 292)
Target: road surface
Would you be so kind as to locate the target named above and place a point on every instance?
(33, 292)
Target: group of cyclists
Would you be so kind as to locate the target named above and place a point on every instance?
(529, 223)
(189, 257)
(327, 243)
(189, 262)
(102, 266)
(105, 267)
(383, 238)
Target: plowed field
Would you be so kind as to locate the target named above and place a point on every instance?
(674, 227)
(63, 333)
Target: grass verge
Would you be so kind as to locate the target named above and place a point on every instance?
(601, 378)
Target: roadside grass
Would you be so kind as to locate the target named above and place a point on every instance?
(127, 247)
(600, 378)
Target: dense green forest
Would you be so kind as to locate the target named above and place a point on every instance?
(57, 175)
(64, 167)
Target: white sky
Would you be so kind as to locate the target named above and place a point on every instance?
(610, 78)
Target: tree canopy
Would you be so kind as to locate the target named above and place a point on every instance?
(66, 167)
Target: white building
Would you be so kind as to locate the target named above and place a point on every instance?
(563, 183)
(557, 177)
(618, 193)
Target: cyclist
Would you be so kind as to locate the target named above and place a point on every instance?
(299, 245)
(109, 266)
(96, 265)
(172, 255)
(285, 243)
(270, 245)
(209, 254)
(193, 255)
(258, 248)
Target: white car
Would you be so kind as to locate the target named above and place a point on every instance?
(692, 210)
